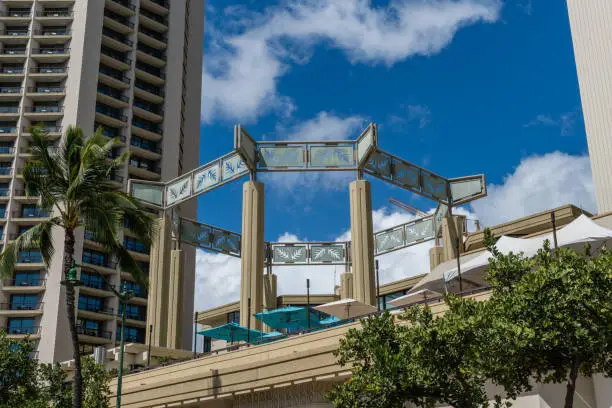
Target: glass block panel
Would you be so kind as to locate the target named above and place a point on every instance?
(289, 254)
(406, 175)
(326, 253)
(332, 156)
(225, 241)
(380, 165)
(435, 186)
(276, 156)
(196, 233)
(462, 190)
(207, 178)
(149, 193)
(388, 240)
(233, 166)
(419, 231)
(178, 190)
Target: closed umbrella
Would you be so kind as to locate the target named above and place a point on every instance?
(346, 308)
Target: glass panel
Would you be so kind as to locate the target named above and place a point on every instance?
(289, 254)
(226, 241)
(148, 192)
(327, 253)
(332, 156)
(291, 156)
(233, 166)
(406, 175)
(380, 165)
(179, 190)
(419, 231)
(467, 188)
(365, 143)
(245, 144)
(206, 178)
(388, 240)
(196, 233)
(435, 186)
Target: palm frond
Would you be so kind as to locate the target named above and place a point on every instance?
(130, 265)
(37, 238)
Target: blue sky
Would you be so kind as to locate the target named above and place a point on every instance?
(457, 86)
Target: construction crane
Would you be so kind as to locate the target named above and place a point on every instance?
(407, 207)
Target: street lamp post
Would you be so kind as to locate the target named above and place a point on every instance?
(124, 296)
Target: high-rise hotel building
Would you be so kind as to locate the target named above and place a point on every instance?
(591, 24)
(133, 68)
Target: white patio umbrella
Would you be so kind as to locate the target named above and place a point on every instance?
(346, 308)
(414, 297)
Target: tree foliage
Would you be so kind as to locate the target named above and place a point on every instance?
(96, 384)
(548, 320)
(72, 183)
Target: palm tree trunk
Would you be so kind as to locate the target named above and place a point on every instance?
(77, 396)
(571, 385)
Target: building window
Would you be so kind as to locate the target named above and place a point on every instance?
(134, 287)
(385, 299)
(233, 317)
(21, 326)
(24, 302)
(95, 258)
(131, 334)
(27, 279)
(207, 344)
(29, 257)
(91, 303)
(134, 312)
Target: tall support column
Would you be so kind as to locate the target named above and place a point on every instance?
(346, 285)
(453, 228)
(159, 275)
(270, 295)
(175, 300)
(252, 253)
(362, 242)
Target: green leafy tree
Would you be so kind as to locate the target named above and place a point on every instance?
(427, 360)
(96, 384)
(55, 392)
(18, 372)
(72, 183)
(558, 307)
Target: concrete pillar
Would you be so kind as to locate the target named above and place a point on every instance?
(270, 295)
(159, 274)
(362, 242)
(346, 285)
(252, 253)
(175, 300)
(452, 229)
(436, 257)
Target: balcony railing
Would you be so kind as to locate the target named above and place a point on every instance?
(6, 171)
(8, 129)
(31, 213)
(115, 75)
(11, 70)
(101, 285)
(135, 315)
(97, 261)
(52, 32)
(151, 51)
(150, 89)
(153, 16)
(45, 109)
(51, 51)
(112, 113)
(146, 145)
(28, 330)
(94, 332)
(21, 306)
(29, 282)
(146, 126)
(150, 70)
(161, 3)
(116, 177)
(16, 13)
(95, 308)
(46, 89)
(118, 18)
(54, 13)
(153, 34)
(116, 36)
(48, 70)
(13, 51)
(9, 109)
(136, 246)
(29, 258)
(113, 94)
(145, 106)
(121, 57)
(45, 128)
(10, 90)
(7, 149)
(125, 3)
(15, 33)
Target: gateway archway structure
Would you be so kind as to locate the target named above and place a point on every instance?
(249, 157)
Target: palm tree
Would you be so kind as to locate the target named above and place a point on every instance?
(72, 183)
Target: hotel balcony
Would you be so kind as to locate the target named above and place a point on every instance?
(153, 21)
(31, 332)
(44, 112)
(157, 6)
(110, 98)
(54, 16)
(110, 116)
(6, 173)
(55, 3)
(148, 93)
(109, 77)
(117, 22)
(122, 7)
(150, 56)
(49, 73)
(52, 35)
(9, 112)
(146, 131)
(13, 55)
(7, 152)
(145, 149)
(14, 36)
(95, 313)
(102, 266)
(133, 319)
(95, 336)
(11, 73)
(10, 93)
(34, 285)
(96, 289)
(149, 112)
(8, 132)
(51, 55)
(149, 74)
(152, 38)
(15, 16)
(53, 132)
(116, 41)
(46, 93)
(113, 59)
(144, 172)
(17, 309)
(116, 180)
(29, 215)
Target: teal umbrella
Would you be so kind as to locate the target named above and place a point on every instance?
(232, 332)
(288, 317)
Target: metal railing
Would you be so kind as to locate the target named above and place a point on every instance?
(145, 126)
(48, 70)
(153, 34)
(125, 3)
(111, 112)
(116, 36)
(21, 306)
(16, 13)
(52, 32)
(10, 90)
(151, 51)
(11, 70)
(150, 89)
(150, 70)
(94, 332)
(95, 308)
(48, 129)
(118, 18)
(46, 89)
(96, 261)
(29, 258)
(146, 145)
(95, 284)
(31, 213)
(50, 51)
(29, 282)
(15, 33)
(7, 129)
(7, 150)
(119, 56)
(6, 171)
(13, 51)
(54, 13)
(28, 330)
(9, 109)
(153, 16)
(113, 94)
(116, 75)
(44, 109)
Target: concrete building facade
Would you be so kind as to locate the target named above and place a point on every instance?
(591, 25)
(133, 69)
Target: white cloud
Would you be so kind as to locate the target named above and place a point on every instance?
(420, 114)
(565, 122)
(242, 67)
(538, 183)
